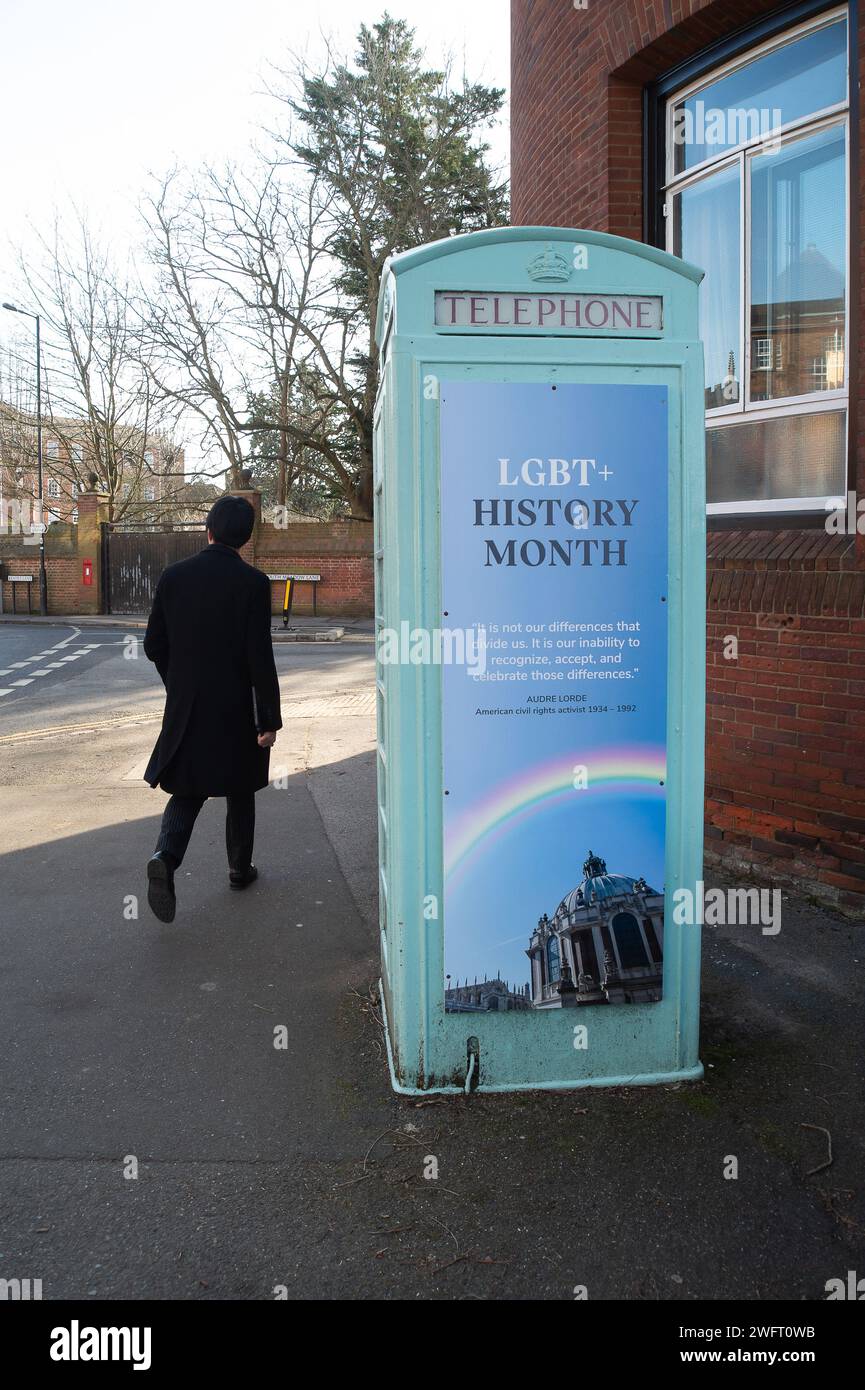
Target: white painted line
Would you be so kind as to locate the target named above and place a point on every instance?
(5, 692)
(27, 681)
(43, 672)
(7, 672)
(55, 666)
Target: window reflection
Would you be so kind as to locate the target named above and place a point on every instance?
(772, 310)
(706, 232)
(807, 75)
(797, 268)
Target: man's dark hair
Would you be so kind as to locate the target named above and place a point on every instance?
(230, 521)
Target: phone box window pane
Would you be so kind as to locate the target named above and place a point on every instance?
(706, 232)
(793, 456)
(798, 276)
(789, 83)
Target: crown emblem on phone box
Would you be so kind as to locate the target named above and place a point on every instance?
(549, 265)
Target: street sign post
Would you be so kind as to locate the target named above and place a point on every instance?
(288, 593)
(540, 622)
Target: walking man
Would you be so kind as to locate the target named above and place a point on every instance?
(208, 636)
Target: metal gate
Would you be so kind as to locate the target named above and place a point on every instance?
(132, 562)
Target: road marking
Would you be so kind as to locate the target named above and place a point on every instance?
(52, 665)
(94, 725)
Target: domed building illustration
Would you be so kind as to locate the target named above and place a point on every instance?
(603, 944)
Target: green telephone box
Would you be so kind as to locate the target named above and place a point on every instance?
(540, 621)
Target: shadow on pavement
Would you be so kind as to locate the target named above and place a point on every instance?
(297, 1167)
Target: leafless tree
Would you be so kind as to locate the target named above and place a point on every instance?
(243, 307)
(263, 318)
(98, 398)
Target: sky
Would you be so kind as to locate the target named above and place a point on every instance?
(98, 93)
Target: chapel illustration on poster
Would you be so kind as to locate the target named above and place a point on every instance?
(602, 945)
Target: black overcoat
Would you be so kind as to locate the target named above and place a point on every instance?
(209, 637)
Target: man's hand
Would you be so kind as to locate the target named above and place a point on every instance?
(267, 740)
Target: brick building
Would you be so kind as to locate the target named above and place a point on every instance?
(150, 471)
(730, 132)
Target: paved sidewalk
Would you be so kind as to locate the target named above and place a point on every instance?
(260, 1167)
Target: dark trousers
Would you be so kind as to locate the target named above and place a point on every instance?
(180, 815)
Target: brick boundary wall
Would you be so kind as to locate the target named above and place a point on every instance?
(786, 721)
(61, 565)
(62, 571)
(340, 551)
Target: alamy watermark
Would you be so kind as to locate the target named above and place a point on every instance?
(848, 520)
(727, 907)
(21, 517)
(438, 646)
(726, 127)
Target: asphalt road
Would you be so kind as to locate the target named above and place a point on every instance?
(129, 1047)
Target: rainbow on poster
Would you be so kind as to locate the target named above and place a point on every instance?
(629, 772)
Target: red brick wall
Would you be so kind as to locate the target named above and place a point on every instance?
(61, 563)
(341, 552)
(576, 99)
(785, 735)
(786, 721)
(63, 585)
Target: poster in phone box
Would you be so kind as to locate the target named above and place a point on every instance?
(554, 669)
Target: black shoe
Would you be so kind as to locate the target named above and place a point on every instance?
(243, 878)
(160, 887)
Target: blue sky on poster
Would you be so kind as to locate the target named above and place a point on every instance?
(97, 93)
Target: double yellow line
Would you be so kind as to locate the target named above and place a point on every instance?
(92, 726)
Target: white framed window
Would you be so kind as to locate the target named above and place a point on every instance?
(150, 493)
(76, 453)
(53, 487)
(148, 458)
(74, 517)
(52, 449)
(764, 359)
(757, 193)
